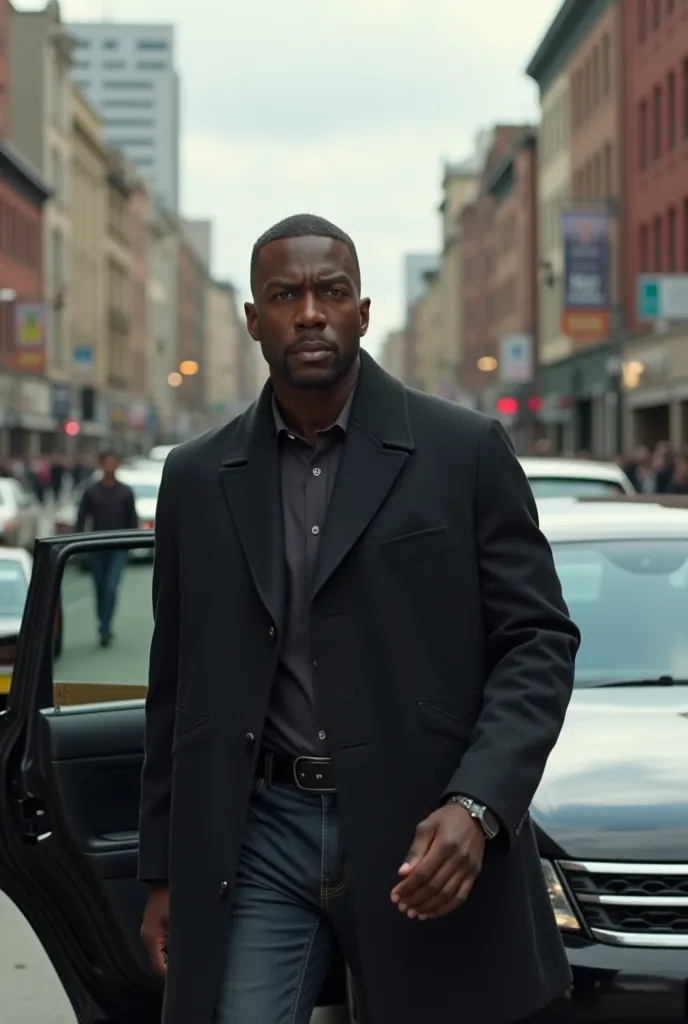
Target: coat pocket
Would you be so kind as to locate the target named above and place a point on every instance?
(189, 727)
(415, 543)
(454, 715)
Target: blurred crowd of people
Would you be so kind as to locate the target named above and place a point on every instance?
(658, 470)
(49, 476)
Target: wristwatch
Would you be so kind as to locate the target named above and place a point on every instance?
(482, 814)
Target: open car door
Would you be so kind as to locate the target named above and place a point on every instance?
(71, 752)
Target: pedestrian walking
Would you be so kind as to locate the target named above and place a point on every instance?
(107, 504)
(361, 661)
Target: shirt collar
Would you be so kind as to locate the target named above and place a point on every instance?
(342, 421)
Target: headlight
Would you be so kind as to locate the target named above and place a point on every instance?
(563, 912)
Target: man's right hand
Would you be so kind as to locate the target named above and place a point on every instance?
(155, 924)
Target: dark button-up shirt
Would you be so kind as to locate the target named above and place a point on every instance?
(108, 507)
(308, 472)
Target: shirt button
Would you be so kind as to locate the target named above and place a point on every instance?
(250, 741)
(317, 472)
(223, 889)
(322, 735)
(315, 529)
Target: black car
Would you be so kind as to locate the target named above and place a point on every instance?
(611, 814)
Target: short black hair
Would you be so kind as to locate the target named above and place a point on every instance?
(304, 225)
(108, 453)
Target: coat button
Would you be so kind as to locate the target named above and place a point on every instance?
(224, 888)
(250, 741)
(272, 632)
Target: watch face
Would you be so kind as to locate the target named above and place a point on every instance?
(490, 822)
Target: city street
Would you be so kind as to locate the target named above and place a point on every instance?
(126, 661)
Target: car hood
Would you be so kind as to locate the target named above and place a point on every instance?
(9, 626)
(615, 784)
(145, 508)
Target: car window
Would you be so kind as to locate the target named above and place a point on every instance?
(14, 587)
(145, 490)
(83, 670)
(573, 487)
(630, 601)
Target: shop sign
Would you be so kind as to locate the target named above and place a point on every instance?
(83, 358)
(29, 337)
(586, 315)
(662, 297)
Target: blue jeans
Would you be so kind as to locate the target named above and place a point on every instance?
(107, 568)
(290, 911)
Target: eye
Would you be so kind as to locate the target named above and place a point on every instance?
(337, 291)
(284, 294)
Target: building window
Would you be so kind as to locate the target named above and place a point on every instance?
(595, 77)
(82, 44)
(685, 98)
(671, 241)
(125, 143)
(685, 236)
(657, 122)
(656, 14)
(671, 110)
(642, 21)
(152, 44)
(114, 65)
(608, 175)
(606, 66)
(82, 65)
(130, 122)
(127, 85)
(657, 245)
(671, 5)
(642, 135)
(151, 65)
(127, 104)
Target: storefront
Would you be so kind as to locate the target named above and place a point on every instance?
(655, 381)
(579, 410)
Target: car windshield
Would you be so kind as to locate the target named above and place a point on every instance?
(574, 487)
(13, 589)
(629, 598)
(145, 490)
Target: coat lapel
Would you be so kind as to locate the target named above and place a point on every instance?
(378, 444)
(250, 481)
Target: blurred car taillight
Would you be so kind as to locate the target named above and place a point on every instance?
(147, 524)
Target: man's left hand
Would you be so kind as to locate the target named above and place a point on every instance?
(442, 864)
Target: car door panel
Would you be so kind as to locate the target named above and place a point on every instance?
(69, 797)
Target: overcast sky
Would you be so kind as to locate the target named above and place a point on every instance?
(343, 110)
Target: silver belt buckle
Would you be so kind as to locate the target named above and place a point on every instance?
(311, 760)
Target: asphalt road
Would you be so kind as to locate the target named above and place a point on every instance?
(30, 992)
(126, 661)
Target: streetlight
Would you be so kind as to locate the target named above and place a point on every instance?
(487, 364)
(174, 380)
(189, 367)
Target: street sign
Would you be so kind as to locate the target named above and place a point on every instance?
(662, 296)
(516, 359)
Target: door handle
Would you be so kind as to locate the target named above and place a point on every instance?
(34, 819)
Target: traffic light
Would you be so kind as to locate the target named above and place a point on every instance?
(507, 406)
(71, 428)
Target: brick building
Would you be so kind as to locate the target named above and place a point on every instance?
(512, 302)
(138, 205)
(656, 44)
(479, 342)
(5, 82)
(583, 50)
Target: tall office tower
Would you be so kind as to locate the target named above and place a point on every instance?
(127, 72)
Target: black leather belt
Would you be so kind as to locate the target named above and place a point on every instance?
(311, 774)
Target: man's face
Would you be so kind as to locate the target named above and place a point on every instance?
(109, 465)
(307, 314)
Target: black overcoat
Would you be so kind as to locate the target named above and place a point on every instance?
(444, 655)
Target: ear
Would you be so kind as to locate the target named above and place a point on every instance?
(251, 320)
(364, 310)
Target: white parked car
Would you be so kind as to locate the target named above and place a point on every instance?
(20, 515)
(160, 452)
(575, 478)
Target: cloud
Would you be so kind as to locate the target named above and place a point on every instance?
(343, 110)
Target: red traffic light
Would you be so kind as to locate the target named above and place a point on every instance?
(71, 428)
(507, 406)
(535, 403)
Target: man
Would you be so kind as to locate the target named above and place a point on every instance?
(107, 504)
(360, 664)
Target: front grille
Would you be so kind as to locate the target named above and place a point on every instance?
(631, 904)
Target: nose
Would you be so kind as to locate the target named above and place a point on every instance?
(310, 313)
